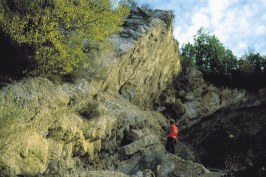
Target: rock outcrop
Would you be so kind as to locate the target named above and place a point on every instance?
(225, 127)
(144, 61)
(102, 125)
(191, 98)
(232, 140)
(175, 166)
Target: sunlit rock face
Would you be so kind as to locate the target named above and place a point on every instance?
(68, 129)
(109, 120)
(144, 61)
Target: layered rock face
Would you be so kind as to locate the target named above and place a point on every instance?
(97, 126)
(225, 127)
(144, 61)
(191, 98)
(232, 139)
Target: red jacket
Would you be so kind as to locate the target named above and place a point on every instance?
(173, 131)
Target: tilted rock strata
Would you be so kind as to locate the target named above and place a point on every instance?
(191, 98)
(47, 128)
(148, 58)
(97, 123)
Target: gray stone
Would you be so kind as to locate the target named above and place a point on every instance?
(134, 134)
(103, 174)
(140, 144)
(42, 130)
(175, 166)
(148, 173)
(200, 98)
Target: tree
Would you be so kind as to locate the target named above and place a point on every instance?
(264, 64)
(54, 31)
(220, 66)
(230, 62)
(210, 51)
(209, 54)
(187, 55)
(252, 62)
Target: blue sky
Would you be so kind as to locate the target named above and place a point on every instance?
(239, 24)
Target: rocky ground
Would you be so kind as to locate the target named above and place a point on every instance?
(110, 118)
(101, 122)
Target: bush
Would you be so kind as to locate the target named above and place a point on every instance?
(54, 31)
(90, 110)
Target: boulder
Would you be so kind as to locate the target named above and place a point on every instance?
(175, 166)
(140, 144)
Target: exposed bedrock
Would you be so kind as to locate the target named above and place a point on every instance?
(224, 127)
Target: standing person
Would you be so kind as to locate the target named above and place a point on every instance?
(171, 133)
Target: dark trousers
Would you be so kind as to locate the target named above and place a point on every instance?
(170, 145)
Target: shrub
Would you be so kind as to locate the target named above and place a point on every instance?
(90, 110)
(54, 31)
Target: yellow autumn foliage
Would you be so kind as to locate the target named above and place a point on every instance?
(56, 30)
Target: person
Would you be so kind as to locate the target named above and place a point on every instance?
(172, 134)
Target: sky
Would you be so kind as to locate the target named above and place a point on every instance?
(240, 25)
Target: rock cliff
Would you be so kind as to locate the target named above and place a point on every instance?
(144, 60)
(110, 119)
(103, 124)
(190, 98)
(224, 126)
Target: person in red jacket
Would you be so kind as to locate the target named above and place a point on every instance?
(171, 133)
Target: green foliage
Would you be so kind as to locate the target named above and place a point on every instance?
(188, 55)
(220, 66)
(252, 63)
(229, 62)
(55, 30)
(208, 54)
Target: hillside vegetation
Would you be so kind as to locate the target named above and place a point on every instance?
(220, 66)
(53, 36)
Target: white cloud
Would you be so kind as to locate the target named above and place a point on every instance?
(263, 2)
(260, 30)
(238, 24)
(200, 19)
(217, 10)
(264, 17)
(241, 47)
